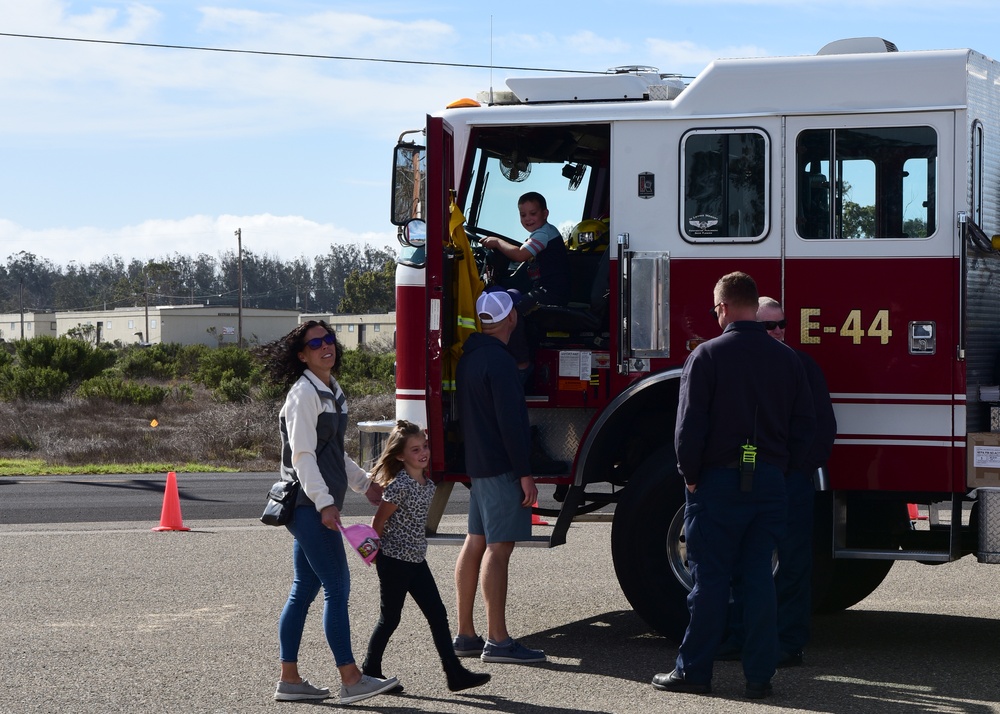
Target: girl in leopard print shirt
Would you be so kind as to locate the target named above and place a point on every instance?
(401, 522)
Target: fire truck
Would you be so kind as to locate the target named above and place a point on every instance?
(859, 186)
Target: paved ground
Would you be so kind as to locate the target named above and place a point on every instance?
(112, 617)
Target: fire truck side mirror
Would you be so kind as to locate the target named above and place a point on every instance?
(414, 233)
(409, 171)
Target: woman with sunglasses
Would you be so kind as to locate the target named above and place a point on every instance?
(313, 422)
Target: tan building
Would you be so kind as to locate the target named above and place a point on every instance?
(182, 324)
(375, 331)
(14, 325)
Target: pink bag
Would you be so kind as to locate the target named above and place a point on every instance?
(363, 539)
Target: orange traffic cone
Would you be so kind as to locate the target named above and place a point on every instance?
(536, 520)
(170, 516)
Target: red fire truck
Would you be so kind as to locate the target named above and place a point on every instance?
(858, 186)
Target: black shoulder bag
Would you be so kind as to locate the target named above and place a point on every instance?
(280, 507)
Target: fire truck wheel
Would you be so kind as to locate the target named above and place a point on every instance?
(850, 582)
(647, 545)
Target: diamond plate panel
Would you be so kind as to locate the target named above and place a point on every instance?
(989, 525)
(561, 430)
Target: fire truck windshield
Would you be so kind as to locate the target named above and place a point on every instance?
(557, 162)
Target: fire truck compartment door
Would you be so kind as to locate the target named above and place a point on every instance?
(646, 288)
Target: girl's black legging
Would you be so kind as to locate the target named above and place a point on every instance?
(396, 579)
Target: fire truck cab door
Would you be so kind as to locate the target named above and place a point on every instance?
(440, 312)
(677, 236)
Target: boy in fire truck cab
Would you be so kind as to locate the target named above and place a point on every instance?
(544, 253)
(546, 265)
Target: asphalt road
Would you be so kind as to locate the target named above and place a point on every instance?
(112, 617)
(120, 498)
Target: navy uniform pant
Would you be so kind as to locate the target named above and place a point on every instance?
(793, 581)
(732, 533)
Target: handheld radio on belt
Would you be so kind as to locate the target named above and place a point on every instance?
(748, 459)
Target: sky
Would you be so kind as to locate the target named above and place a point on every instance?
(143, 152)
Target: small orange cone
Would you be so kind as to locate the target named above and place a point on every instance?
(170, 516)
(536, 520)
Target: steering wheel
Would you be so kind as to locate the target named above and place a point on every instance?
(478, 232)
(487, 258)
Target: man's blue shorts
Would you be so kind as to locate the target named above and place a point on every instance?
(495, 509)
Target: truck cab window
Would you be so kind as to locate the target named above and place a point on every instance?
(566, 164)
(866, 183)
(724, 185)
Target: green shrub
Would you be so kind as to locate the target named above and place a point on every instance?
(188, 359)
(270, 392)
(183, 392)
(225, 362)
(232, 389)
(122, 392)
(364, 371)
(154, 361)
(32, 383)
(79, 360)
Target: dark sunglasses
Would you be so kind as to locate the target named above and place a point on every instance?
(317, 342)
(771, 324)
(715, 315)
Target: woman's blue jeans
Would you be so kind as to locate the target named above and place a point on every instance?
(319, 560)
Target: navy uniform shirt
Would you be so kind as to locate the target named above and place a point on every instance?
(826, 422)
(743, 386)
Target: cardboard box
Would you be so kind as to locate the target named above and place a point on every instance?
(983, 454)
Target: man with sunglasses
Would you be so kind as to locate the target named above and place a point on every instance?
(793, 581)
(744, 413)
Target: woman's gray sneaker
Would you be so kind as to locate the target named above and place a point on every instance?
(288, 692)
(365, 687)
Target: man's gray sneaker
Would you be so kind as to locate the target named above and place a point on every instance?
(288, 692)
(469, 646)
(364, 688)
(511, 651)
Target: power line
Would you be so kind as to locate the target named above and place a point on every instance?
(461, 65)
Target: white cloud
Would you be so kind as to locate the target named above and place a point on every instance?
(286, 237)
(79, 88)
(690, 58)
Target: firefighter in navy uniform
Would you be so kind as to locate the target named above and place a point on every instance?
(744, 413)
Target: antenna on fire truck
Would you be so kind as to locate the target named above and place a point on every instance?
(491, 59)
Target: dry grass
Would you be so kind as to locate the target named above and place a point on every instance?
(80, 433)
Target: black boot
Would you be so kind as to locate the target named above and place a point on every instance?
(460, 678)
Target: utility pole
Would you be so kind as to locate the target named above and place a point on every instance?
(239, 312)
(21, 304)
(145, 295)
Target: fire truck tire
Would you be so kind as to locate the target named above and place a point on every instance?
(850, 582)
(646, 546)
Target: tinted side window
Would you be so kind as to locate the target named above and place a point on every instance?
(724, 185)
(866, 183)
